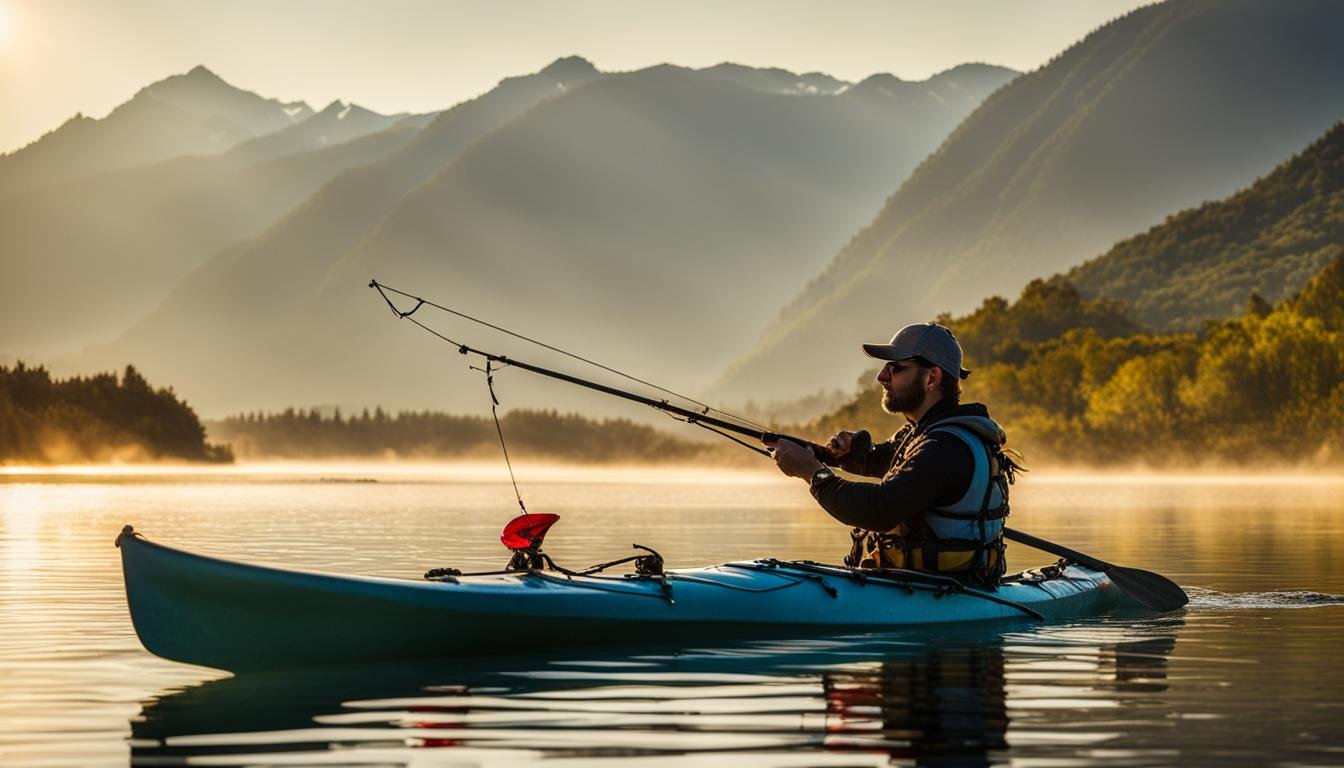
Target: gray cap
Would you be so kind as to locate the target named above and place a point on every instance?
(929, 341)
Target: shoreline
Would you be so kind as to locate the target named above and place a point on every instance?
(364, 471)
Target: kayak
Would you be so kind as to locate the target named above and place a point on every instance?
(236, 616)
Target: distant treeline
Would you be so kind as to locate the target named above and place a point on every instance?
(312, 434)
(1075, 381)
(96, 418)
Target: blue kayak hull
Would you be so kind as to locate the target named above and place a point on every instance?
(236, 616)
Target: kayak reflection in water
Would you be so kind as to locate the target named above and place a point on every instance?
(936, 699)
(943, 496)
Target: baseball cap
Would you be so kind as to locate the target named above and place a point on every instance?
(929, 341)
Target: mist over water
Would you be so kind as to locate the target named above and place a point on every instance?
(1248, 674)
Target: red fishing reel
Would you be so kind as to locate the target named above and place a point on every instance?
(523, 536)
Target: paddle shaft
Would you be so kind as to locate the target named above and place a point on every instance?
(1055, 549)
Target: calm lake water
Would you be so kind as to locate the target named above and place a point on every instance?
(1251, 673)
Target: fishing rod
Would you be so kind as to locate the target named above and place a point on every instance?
(698, 418)
(692, 417)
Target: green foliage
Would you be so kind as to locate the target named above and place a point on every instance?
(1265, 388)
(432, 435)
(1000, 332)
(96, 418)
(1264, 242)
(1320, 298)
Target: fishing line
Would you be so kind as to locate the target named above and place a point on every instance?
(420, 302)
(494, 405)
(488, 370)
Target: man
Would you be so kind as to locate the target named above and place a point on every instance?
(943, 497)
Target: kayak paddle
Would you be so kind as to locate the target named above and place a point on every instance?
(1153, 590)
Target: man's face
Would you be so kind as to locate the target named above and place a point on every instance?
(902, 386)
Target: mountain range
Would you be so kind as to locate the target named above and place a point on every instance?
(188, 114)
(683, 224)
(337, 123)
(650, 210)
(1164, 108)
(86, 256)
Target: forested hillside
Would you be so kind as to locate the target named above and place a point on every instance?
(1204, 263)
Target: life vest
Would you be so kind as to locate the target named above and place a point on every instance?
(964, 538)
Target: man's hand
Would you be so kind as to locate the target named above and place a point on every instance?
(795, 460)
(840, 444)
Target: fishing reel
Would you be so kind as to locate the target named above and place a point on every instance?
(650, 564)
(523, 536)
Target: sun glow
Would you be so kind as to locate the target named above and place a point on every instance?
(5, 23)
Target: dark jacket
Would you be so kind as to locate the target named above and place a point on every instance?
(916, 474)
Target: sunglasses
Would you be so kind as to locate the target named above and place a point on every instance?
(895, 367)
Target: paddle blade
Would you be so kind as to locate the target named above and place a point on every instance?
(1152, 590)
(527, 531)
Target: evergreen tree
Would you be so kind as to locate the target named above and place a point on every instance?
(96, 417)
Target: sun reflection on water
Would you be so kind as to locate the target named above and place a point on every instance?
(20, 519)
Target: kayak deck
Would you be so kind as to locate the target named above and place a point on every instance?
(236, 616)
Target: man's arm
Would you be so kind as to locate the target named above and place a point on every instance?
(937, 472)
(874, 462)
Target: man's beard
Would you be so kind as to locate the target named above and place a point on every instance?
(903, 399)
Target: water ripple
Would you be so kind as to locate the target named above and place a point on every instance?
(1282, 598)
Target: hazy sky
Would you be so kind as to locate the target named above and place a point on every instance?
(59, 57)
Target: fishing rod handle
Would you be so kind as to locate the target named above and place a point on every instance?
(862, 442)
